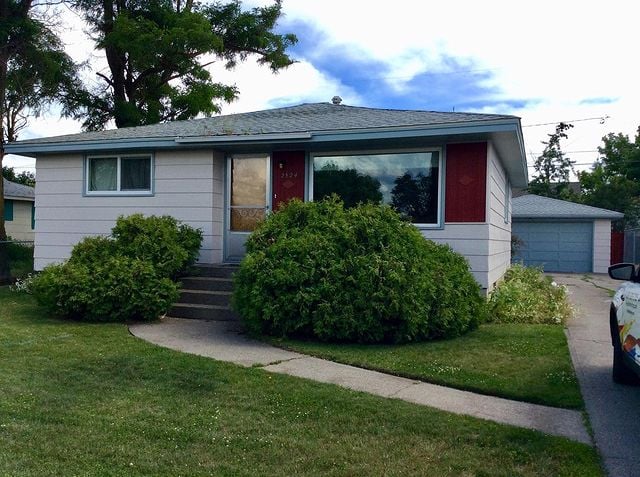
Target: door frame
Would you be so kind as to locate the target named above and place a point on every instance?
(226, 232)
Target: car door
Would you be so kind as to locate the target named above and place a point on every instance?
(627, 300)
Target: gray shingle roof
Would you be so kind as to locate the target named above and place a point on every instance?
(532, 206)
(310, 117)
(12, 189)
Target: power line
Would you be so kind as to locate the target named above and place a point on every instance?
(570, 152)
(602, 119)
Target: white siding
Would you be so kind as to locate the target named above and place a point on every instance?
(188, 186)
(601, 245)
(20, 227)
(498, 192)
(468, 239)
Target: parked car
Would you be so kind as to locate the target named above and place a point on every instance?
(625, 324)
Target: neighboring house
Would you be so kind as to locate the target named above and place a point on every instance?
(562, 236)
(450, 172)
(19, 211)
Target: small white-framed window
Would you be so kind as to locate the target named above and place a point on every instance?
(127, 174)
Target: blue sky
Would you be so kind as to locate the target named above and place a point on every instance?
(544, 61)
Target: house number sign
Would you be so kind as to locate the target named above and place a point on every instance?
(288, 175)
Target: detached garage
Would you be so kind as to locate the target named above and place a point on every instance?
(562, 236)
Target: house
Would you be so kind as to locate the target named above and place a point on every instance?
(562, 236)
(452, 173)
(19, 211)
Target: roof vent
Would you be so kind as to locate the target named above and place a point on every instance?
(336, 100)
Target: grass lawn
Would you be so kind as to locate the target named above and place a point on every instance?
(82, 399)
(523, 362)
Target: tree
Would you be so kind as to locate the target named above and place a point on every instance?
(553, 168)
(34, 70)
(25, 177)
(350, 185)
(157, 52)
(614, 181)
(416, 197)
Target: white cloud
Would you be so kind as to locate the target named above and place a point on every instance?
(261, 89)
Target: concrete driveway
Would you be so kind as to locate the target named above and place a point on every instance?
(614, 410)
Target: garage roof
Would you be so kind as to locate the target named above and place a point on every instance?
(532, 206)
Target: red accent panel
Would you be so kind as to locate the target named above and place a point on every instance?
(288, 176)
(466, 182)
(617, 247)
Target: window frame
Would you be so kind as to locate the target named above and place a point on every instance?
(118, 192)
(363, 152)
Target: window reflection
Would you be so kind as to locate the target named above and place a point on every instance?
(249, 181)
(407, 181)
(248, 192)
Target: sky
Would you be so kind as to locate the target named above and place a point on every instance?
(544, 61)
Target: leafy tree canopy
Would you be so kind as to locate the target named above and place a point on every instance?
(416, 197)
(34, 70)
(351, 186)
(26, 178)
(553, 168)
(158, 51)
(614, 181)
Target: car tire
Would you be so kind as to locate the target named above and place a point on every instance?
(621, 374)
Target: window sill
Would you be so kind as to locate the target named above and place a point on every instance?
(145, 193)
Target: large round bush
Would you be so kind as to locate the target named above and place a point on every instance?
(123, 277)
(318, 270)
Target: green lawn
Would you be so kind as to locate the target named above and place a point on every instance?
(82, 399)
(523, 362)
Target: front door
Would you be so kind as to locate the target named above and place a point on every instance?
(288, 177)
(247, 200)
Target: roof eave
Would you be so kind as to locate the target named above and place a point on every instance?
(19, 197)
(569, 217)
(32, 150)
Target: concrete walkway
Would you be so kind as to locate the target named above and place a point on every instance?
(224, 341)
(613, 409)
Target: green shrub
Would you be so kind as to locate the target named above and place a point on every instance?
(316, 270)
(123, 277)
(116, 289)
(528, 296)
(171, 247)
(93, 249)
(20, 256)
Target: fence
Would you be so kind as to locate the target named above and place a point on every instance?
(16, 260)
(632, 245)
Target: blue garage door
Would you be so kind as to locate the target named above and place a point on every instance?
(555, 246)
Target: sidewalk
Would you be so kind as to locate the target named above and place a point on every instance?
(223, 341)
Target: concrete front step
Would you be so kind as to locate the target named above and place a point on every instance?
(205, 297)
(207, 283)
(215, 271)
(206, 294)
(202, 312)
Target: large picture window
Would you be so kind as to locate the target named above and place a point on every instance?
(408, 181)
(130, 174)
